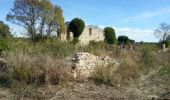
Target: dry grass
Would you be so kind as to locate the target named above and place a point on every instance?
(36, 69)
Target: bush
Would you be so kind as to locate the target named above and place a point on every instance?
(148, 57)
(34, 69)
(165, 70)
(110, 37)
(76, 26)
(102, 75)
(127, 71)
(123, 39)
(4, 30)
(166, 43)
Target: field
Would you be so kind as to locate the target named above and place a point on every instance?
(40, 72)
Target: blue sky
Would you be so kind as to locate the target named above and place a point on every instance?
(134, 18)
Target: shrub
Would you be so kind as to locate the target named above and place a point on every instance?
(165, 70)
(102, 75)
(123, 39)
(110, 37)
(4, 30)
(76, 26)
(147, 57)
(36, 69)
(166, 43)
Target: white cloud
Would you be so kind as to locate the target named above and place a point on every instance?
(137, 34)
(145, 16)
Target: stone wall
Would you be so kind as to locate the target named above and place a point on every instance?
(83, 64)
(96, 34)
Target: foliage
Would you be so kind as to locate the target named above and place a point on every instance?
(60, 19)
(166, 43)
(4, 30)
(76, 26)
(131, 41)
(39, 18)
(168, 38)
(123, 39)
(102, 76)
(110, 37)
(163, 31)
(165, 70)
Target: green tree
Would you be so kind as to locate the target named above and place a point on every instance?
(38, 17)
(168, 38)
(60, 20)
(4, 30)
(131, 41)
(5, 36)
(76, 26)
(110, 36)
(166, 42)
(123, 39)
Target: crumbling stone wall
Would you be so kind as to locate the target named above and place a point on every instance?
(83, 64)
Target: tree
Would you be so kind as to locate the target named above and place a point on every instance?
(123, 39)
(5, 36)
(4, 30)
(38, 17)
(163, 31)
(168, 38)
(109, 33)
(131, 41)
(76, 26)
(60, 20)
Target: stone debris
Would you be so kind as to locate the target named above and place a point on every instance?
(83, 64)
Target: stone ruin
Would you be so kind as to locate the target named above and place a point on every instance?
(83, 64)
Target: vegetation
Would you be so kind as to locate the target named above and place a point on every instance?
(5, 37)
(39, 18)
(123, 40)
(166, 43)
(4, 30)
(76, 26)
(30, 68)
(163, 31)
(110, 36)
(168, 38)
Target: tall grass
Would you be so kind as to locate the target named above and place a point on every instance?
(44, 62)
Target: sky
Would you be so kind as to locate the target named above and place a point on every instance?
(135, 18)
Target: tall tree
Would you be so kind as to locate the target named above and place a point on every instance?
(60, 19)
(163, 31)
(110, 36)
(36, 16)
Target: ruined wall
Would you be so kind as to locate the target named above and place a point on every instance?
(84, 64)
(89, 34)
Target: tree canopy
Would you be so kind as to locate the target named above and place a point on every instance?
(76, 26)
(110, 36)
(39, 17)
(123, 39)
(4, 30)
(163, 31)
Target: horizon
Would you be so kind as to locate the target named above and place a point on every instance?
(135, 19)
